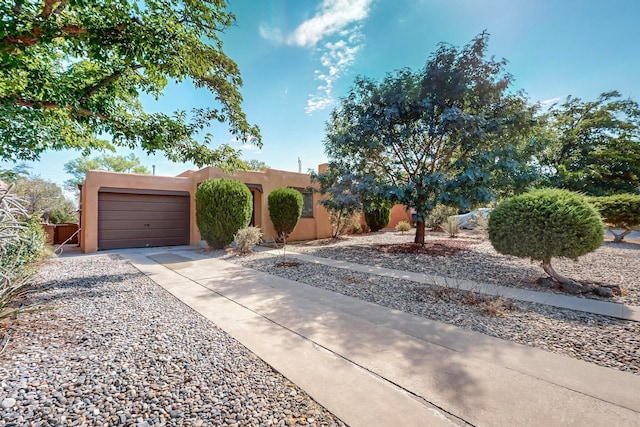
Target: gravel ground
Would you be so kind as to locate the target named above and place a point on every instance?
(113, 348)
(598, 339)
(612, 264)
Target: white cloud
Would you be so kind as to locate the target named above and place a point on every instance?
(333, 17)
(548, 102)
(334, 35)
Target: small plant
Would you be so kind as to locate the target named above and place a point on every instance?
(439, 215)
(247, 238)
(451, 226)
(543, 224)
(223, 206)
(403, 226)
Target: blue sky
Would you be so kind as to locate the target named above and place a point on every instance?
(297, 57)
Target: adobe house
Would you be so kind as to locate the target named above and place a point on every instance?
(120, 210)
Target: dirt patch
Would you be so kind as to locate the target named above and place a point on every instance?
(430, 248)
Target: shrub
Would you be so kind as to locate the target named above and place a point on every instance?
(223, 206)
(285, 209)
(378, 216)
(22, 243)
(618, 211)
(248, 237)
(403, 226)
(438, 215)
(451, 226)
(543, 224)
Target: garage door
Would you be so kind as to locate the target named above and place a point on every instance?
(139, 218)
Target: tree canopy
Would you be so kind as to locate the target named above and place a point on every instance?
(436, 135)
(78, 167)
(72, 73)
(593, 146)
(44, 199)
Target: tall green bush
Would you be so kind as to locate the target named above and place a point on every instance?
(543, 224)
(618, 211)
(223, 206)
(285, 210)
(378, 215)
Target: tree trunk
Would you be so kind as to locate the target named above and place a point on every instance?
(546, 266)
(617, 238)
(419, 233)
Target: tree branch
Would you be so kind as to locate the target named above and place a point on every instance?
(48, 8)
(89, 92)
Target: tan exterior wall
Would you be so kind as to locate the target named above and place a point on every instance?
(308, 228)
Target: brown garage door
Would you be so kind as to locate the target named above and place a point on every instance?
(137, 218)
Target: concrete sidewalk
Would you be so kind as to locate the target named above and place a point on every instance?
(371, 365)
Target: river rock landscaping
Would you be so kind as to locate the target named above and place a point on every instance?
(107, 346)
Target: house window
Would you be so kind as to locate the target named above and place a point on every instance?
(307, 202)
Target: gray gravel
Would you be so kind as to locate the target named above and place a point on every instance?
(611, 264)
(598, 339)
(113, 348)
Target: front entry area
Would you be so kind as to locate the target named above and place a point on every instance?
(142, 218)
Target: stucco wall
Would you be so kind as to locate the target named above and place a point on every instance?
(270, 179)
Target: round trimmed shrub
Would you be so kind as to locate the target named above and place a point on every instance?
(285, 210)
(378, 216)
(618, 211)
(223, 206)
(543, 224)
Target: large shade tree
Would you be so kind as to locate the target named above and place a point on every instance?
(72, 73)
(593, 146)
(79, 166)
(443, 134)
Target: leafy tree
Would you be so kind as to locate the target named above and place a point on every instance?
(256, 165)
(543, 224)
(593, 147)
(437, 135)
(78, 167)
(223, 206)
(21, 170)
(618, 211)
(71, 71)
(341, 192)
(43, 198)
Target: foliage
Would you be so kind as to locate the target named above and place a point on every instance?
(378, 215)
(22, 242)
(256, 165)
(248, 237)
(71, 71)
(21, 170)
(593, 147)
(223, 206)
(79, 166)
(618, 211)
(341, 193)
(437, 135)
(403, 226)
(546, 223)
(45, 199)
(451, 226)
(439, 215)
(285, 209)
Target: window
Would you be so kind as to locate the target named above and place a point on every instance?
(307, 202)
